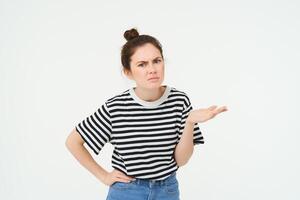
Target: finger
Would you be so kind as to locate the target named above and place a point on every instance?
(125, 179)
(120, 174)
(212, 107)
(123, 176)
(122, 180)
(222, 109)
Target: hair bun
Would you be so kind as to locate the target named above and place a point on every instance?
(131, 34)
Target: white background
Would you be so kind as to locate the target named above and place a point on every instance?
(59, 60)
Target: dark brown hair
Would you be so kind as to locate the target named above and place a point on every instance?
(134, 40)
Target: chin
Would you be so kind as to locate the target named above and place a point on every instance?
(154, 85)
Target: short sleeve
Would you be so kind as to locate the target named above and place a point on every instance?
(96, 129)
(187, 108)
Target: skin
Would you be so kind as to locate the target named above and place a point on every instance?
(145, 63)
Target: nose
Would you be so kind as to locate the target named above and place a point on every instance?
(152, 68)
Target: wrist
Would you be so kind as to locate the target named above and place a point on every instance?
(188, 121)
(102, 175)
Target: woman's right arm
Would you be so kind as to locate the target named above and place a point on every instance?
(74, 144)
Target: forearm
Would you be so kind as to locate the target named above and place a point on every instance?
(86, 160)
(184, 149)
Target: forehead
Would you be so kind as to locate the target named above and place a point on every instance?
(145, 52)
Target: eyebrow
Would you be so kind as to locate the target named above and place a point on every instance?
(147, 61)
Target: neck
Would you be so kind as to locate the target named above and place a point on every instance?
(150, 94)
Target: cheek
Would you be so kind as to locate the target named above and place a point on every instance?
(139, 72)
(162, 69)
(142, 74)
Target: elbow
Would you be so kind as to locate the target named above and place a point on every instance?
(182, 163)
(68, 143)
(183, 160)
(73, 140)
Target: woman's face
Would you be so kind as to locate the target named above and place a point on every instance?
(147, 63)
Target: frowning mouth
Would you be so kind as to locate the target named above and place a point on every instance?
(153, 78)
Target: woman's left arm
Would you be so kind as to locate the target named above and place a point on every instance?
(185, 147)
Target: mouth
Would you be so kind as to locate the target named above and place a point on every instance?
(153, 78)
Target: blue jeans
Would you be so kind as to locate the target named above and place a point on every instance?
(143, 189)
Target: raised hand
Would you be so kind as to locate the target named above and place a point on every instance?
(204, 114)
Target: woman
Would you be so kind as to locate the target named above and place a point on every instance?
(152, 127)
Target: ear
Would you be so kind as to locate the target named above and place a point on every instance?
(128, 73)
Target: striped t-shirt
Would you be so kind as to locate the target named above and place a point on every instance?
(144, 134)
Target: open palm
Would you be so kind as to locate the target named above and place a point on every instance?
(204, 114)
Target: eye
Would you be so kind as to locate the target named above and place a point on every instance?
(157, 61)
(140, 65)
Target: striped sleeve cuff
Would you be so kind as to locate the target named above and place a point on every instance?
(95, 130)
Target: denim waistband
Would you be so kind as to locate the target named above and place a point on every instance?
(170, 179)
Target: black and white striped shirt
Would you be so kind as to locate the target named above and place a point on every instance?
(144, 134)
